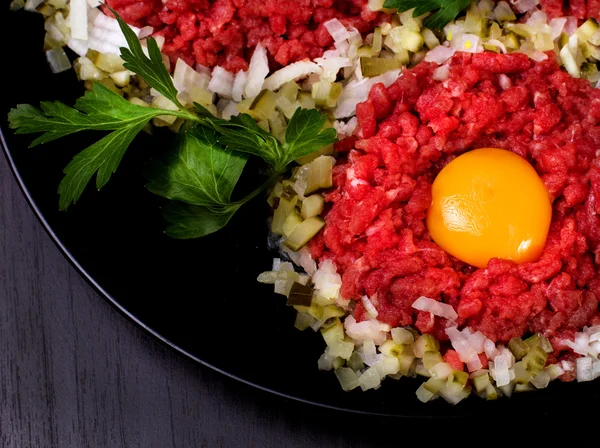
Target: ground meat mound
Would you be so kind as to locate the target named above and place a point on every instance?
(580, 9)
(376, 232)
(225, 32)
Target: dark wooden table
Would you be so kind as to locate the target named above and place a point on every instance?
(74, 372)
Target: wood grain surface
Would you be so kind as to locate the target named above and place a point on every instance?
(74, 372)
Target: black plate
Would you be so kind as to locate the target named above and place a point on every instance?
(200, 297)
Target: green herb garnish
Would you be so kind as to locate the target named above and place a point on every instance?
(200, 174)
(446, 10)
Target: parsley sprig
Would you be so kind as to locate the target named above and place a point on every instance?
(445, 10)
(199, 175)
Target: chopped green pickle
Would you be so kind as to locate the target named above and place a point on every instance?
(377, 66)
(303, 232)
(426, 343)
(481, 382)
(430, 359)
(535, 360)
(300, 295)
(518, 348)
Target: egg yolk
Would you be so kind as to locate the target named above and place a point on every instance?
(489, 203)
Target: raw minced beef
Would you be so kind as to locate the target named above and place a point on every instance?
(225, 32)
(376, 232)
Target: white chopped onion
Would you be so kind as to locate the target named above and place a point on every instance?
(596, 369)
(78, 46)
(31, 5)
(500, 371)
(490, 349)
(78, 19)
(257, 72)
(441, 370)
(570, 25)
(567, 366)
(441, 73)
(332, 65)
(434, 307)
(368, 352)
(524, 5)
(221, 82)
(58, 60)
(291, 72)
(497, 43)
(477, 341)
(365, 330)
(528, 49)
(327, 281)
(466, 353)
(537, 19)
(345, 129)
(369, 307)
(145, 32)
(337, 30)
(557, 25)
(504, 81)
(580, 345)
(468, 43)
(585, 371)
(358, 91)
(440, 54)
(239, 82)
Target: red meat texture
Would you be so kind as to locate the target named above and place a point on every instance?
(225, 32)
(375, 229)
(580, 9)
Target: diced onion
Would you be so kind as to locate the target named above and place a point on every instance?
(469, 43)
(466, 353)
(490, 349)
(368, 329)
(497, 43)
(257, 72)
(441, 73)
(78, 19)
(239, 82)
(327, 281)
(585, 371)
(434, 307)
(58, 60)
(504, 81)
(31, 5)
(557, 25)
(357, 91)
(500, 371)
(524, 5)
(370, 307)
(290, 73)
(221, 82)
(580, 345)
(337, 30)
(440, 54)
(78, 46)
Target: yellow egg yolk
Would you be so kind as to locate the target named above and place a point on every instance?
(489, 203)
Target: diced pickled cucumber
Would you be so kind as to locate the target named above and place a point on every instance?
(475, 23)
(390, 348)
(87, 71)
(569, 61)
(303, 232)
(138, 102)
(543, 42)
(511, 41)
(524, 387)
(324, 151)
(459, 377)
(425, 343)
(410, 39)
(518, 348)
(263, 106)
(431, 358)
(312, 206)
(121, 79)
(535, 360)
(355, 362)
(431, 40)
(495, 31)
(589, 51)
(491, 393)
(421, 370)
(424, 395)
(481, 382)
(109, 62)
(434, 385)
(347, 377)
(333, 331)
(587, 30)
(289, 91)
(306, 101)
(402, 336)
(504, 13)
(377, 41)
(364, 52)
(319, 174)
(284, 209)
(522, 376)
(304, 321)
(407, 361)
(300, 295)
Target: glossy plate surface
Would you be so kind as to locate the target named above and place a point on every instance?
(201, 296)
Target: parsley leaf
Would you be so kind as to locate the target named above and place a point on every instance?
(195, 221)
(152, 68)
(200, 172)
(99, 109)
(447, 10)
(305, 134)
